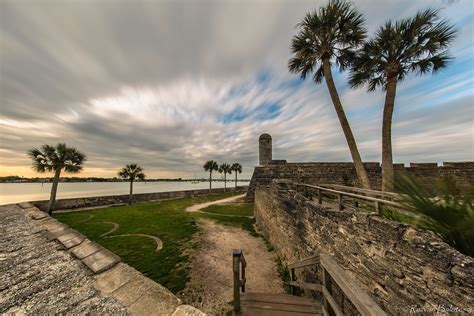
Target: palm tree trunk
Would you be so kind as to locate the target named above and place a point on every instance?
(346, 128)
(225, 182)
(130, 197)
(210, 182)
(387, 159)
(236, 181)
(54, 190)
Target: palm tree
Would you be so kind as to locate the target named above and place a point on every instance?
(210, 166)
(330, 35)
(417, 44)
(237, 168)
(131, 172)
(226, 169)
(55, 159)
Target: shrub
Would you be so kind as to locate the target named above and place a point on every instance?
(450, 215)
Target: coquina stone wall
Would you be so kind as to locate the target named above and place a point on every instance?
(403, 269)
(344, 173)
(121, 199)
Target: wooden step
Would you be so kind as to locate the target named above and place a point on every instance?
(278, 304)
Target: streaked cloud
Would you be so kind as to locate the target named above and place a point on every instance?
(171, 84)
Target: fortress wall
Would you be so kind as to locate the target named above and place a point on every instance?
(402, 268)
(71, 203)
(344, 173)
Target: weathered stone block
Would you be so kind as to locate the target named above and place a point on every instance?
(85, 249)
(101, 260)
(115, 277)
(187, 310)
(71, 239)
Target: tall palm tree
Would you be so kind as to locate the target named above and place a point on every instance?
(418, 44)
(131, 172)
(55, 159)
(210, 166)
(226, 169)
(326, 37)
(237, 168)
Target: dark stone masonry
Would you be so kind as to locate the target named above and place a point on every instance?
(402, 268)
(344, 172)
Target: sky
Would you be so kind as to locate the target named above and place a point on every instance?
(171, 84)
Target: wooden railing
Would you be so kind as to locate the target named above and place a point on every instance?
(355, 197)
(332, 272)
(373, 193)
(238, 267)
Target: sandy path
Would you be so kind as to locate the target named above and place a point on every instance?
(198, 207)
(210, 288)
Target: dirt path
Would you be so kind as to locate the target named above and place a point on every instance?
(198, 207)
(210, 288)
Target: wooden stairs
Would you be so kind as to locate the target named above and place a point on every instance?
(261, 304)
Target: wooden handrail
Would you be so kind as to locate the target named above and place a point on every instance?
(305, 262)
(364, 304)
(238, 268)
(330, 269)
(340, 194)
(367, 191)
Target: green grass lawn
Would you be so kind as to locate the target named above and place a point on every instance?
(166, 219)
(243, 210)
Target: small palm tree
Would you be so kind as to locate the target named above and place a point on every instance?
(55, 159)
(226, 169)
(417, 44)
(210, 166)
(326, 37)
(236, 168)
(131, 172)
(450, 215)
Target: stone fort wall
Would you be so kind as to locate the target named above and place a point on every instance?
(344, 173)
(402, 268)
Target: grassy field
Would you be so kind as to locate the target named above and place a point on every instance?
(241, 220)
(166, 219)
(240, 209)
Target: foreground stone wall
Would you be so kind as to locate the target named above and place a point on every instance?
(344, 173)
(62, 204)
(402, 268)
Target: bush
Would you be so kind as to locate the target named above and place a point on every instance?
(450, 215)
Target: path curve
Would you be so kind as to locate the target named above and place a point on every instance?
(114, 228)
(199, 207)
(159, 242)
(87, 219)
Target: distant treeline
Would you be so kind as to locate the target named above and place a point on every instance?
(18, 179)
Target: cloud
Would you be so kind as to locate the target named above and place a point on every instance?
(171, 84)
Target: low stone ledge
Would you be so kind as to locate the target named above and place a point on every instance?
(71, 239)
(25, 205)
(101, 260)
(114, 278)
(85, 249)
(157, 300)
(187, 310)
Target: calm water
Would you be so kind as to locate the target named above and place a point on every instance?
(20, 192)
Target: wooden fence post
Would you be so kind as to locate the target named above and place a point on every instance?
(293, 278)
(236, 270)
(320, 197)
(339, 201)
